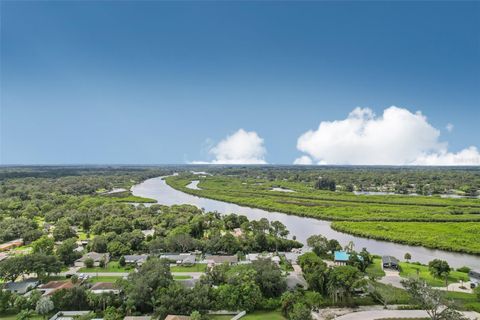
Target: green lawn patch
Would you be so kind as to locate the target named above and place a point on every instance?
(464, 301)
(181, 277)
(104, 279)
(259, 315)
(112, 266)
(375, 270)
(198, 267)
(409, 270)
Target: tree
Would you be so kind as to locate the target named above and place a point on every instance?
(314, 271)
(195, 315)
(333, 245)
(431, 301)
(300, 312)
(325, 184)
(66, 253)
(278, 229)
(439, 269)
(63, 231)
(342, 281)
(407, 256)
(121, 261)
(88, 263)
(43, 245)
(269, 278)
(153, 275)
(112, 313)
(99, 244)
(24, 315)
(319, 244)
(44, 306)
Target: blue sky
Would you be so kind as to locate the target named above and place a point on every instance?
(165, 82)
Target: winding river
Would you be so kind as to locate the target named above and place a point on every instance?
(301, 227)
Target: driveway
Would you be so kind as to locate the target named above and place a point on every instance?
(392, 277)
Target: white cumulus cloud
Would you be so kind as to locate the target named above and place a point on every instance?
(449, 127)
(242, 147)
(303, 160)
(398, 137)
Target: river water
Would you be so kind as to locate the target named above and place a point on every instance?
(301, 227)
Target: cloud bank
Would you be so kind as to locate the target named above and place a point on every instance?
(242, 147)
(398, 137)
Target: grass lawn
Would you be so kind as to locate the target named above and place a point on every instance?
(410, 270)
(198, 267)
(181, 277)
(112, 266)
(103, 279)
(375, 269)
(259, 315)
(464, 301)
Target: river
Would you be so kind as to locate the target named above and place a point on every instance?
(301, 227)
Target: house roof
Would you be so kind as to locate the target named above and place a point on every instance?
(104, 286)
(222, 259)
(389, 260)
(175, 317)
(135, 257)
(95, 256)
(21, 286)
(56, 284)
(179, 257)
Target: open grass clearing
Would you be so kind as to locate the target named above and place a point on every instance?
(112, 266)
(198, 267)
(412, 270)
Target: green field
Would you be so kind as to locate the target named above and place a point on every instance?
(198, 267)
(410, 270)
(375, 270)
(464, 301)
(103, 279)
(454, 236)
(457, 226)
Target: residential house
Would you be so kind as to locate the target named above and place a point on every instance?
(136, 259)
(175, 317)
(389, 262)
(3, 256)
(51, 287)
(11, 244)
(68, 315)
(104, 287)
(213, 260)
(182, 258)
(266, 255)
(21, 287)
(96, 257)
(340, 258)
